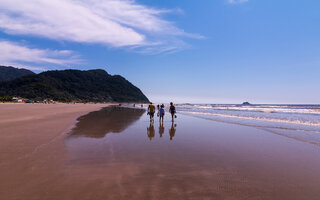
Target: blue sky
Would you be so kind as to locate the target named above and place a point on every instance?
(207, 51)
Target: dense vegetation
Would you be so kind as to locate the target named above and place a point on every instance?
(10, 73)
(6, 98)
(67, 85)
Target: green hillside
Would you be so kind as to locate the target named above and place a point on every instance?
(93, 85)
(10, 73)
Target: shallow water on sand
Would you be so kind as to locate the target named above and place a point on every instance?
(116, 153)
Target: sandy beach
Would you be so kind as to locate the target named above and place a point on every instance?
(31, 144)
(115, 153)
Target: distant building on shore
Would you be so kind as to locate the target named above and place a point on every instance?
(76, 101)
(18, 99)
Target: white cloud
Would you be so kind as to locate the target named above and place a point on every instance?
(17, 55)
(237, 1)
(115, 23)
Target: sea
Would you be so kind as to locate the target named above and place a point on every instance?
(297, 117)
(299, 122)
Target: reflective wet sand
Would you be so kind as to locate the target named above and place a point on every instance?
(116, 153)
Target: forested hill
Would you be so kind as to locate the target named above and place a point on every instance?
(93, 85)
(10, 73)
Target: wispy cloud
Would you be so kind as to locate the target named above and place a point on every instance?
(237, 1)
(115, 23)
(18, 55)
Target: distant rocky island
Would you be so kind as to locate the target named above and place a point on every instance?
(69, 85)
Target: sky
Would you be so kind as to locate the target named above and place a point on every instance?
(185, 51)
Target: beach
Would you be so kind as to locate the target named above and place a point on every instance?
(116, 153)
(31, 144)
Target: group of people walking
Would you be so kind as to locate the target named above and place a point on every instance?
(161, 111)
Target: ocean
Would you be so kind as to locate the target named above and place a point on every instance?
(299, 122)
(294, 117)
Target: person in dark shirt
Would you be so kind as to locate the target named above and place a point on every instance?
(172, 110)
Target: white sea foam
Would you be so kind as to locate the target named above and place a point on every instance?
(306, 109)
(301, 115)
(257, 118)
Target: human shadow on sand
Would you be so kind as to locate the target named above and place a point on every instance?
(111, 119)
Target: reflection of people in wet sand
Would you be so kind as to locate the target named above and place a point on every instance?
(150, 131)
(161, 129)
(172, 130)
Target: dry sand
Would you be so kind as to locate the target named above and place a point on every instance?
(31, 145)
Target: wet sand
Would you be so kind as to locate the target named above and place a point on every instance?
(115, 153)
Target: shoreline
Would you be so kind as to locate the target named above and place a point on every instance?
(117, 149)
